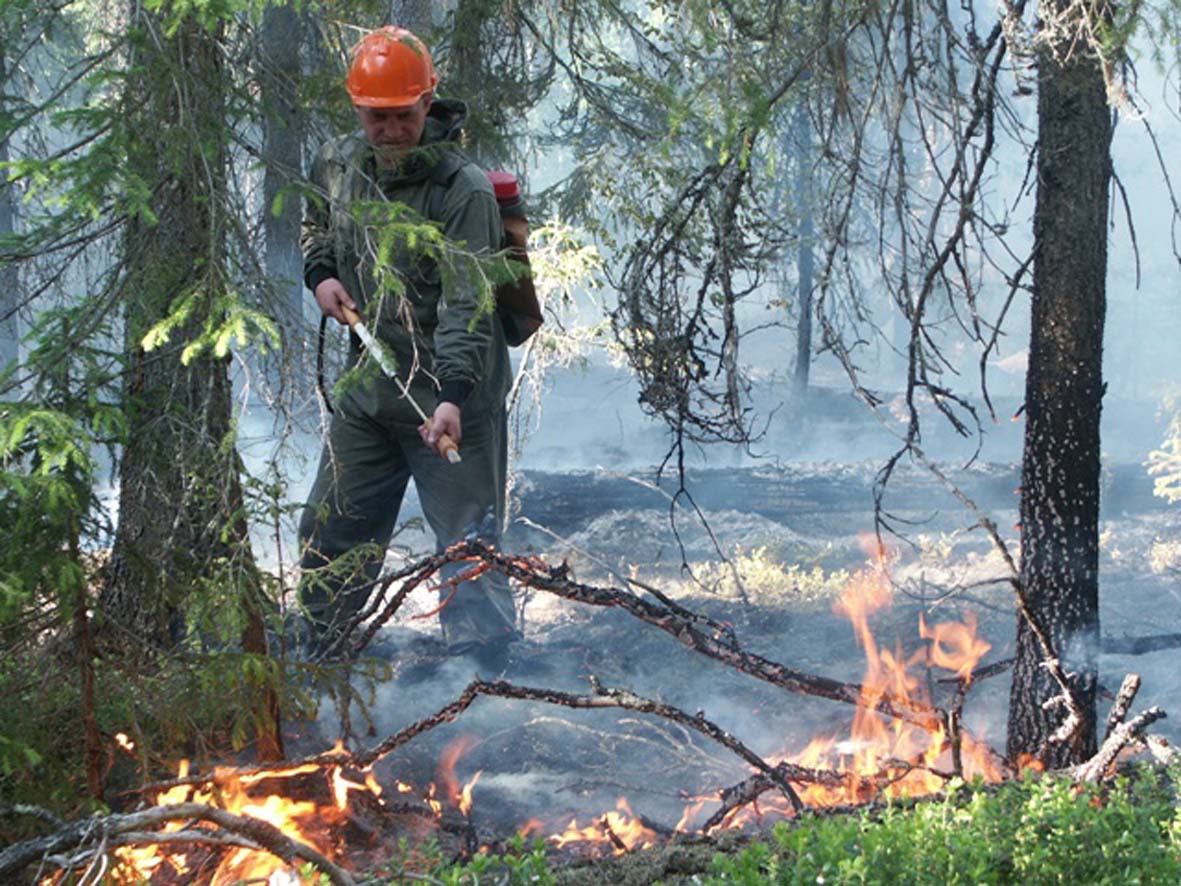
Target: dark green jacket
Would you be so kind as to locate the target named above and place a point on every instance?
(443, 333)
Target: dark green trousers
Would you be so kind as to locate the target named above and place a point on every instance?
(354, 503)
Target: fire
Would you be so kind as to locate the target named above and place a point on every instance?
(880, 756)
(955, 646)
(620, 829)
(459, 797)
(903, 755)
(301, 820)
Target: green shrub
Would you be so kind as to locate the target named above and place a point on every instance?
(1037, 831)
(1032, 832)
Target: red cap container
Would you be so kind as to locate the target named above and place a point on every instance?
(504, 185)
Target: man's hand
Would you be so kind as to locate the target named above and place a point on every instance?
(330, 295)
(444, 421)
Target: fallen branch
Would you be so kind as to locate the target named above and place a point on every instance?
(1163, 752)
(678, 622)
(555, 580)
(107, 829)
(750, 789)
(603, 698)
(1119, 733)
(1122, 704)
(723, 630)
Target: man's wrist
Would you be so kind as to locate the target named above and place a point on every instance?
(317, 274)
(454, 392)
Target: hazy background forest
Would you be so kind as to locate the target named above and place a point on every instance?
(793, 236)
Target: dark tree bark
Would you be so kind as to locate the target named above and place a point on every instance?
(1064, 391)
(180, 496)
(282, 153)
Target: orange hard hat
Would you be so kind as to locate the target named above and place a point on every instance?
(391, 69)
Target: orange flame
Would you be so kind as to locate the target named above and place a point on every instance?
(955, 646)
(619, 829)
(448, 781)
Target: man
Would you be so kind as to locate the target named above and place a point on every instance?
(448, 346)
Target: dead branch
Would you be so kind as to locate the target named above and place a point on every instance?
(681, 624)
(1163, 752)
(750, 789)
(770, 776)
(537, 574)
(603, 698)
(723, 630)
(1123, 735)
(1123, 703)
(106, 829)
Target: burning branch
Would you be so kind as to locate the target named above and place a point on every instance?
(97, 834)
(766, 778)
(749, 790)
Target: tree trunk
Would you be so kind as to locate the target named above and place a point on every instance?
(413, 15)
(471, 79)
(180, 519)
(282, 156)
(804, 258)
(10, 292)
(1063, 397)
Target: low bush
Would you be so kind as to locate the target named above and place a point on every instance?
(1034, 831)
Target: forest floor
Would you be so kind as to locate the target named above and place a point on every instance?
(796, 534)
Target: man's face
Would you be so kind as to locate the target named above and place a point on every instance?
(394, 131)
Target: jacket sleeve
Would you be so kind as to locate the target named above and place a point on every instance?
(316, 239)
(465, 332)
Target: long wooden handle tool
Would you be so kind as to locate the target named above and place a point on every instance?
(446, 446)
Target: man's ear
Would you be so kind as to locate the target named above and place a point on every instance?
(426, 99)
